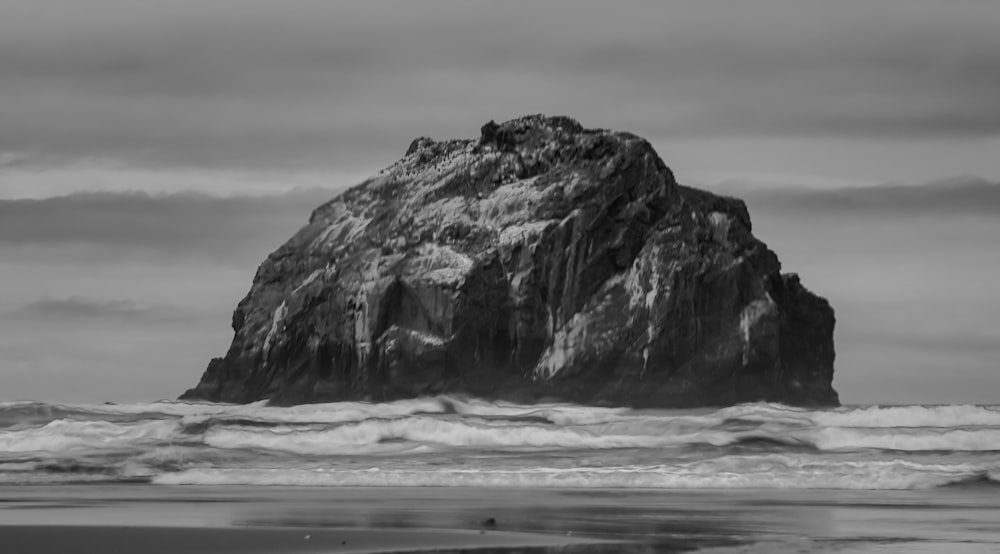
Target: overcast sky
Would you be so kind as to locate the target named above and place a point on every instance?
(233, 113)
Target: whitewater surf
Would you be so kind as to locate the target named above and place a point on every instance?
(449, 441)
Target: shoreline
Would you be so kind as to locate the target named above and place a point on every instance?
(147, 519)
(43, 538)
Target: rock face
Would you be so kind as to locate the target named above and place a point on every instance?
(541, 261)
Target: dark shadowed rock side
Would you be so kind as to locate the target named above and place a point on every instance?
(542, 261)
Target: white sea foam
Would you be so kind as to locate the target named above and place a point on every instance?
(324, 413)
(434, 441)
(763, 411)
(162, 407)
(742, 474)
(559, 414)
(968, 440)
(64, 435)
(346, 439)
(257, 411)
(870, 416)
(17, 466)
(873, 416)
(909, 416)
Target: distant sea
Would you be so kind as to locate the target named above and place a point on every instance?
(754, 455)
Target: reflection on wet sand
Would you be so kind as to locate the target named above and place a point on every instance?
(513, 520)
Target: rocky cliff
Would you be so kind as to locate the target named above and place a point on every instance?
(542, 260)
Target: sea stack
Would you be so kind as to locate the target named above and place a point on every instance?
(539, 261)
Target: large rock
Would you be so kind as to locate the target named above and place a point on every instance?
(543, 260)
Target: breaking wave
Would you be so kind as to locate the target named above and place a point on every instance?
(431, 431)
(911, 416)
(63, 435)
(453, 441)
(753, 474)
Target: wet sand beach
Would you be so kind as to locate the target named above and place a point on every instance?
(147, 519)
(101, 539)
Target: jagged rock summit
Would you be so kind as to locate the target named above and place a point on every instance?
(541, 261)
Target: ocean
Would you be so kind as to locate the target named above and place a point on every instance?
(850, 479)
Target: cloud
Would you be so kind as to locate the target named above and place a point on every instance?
(84, 347)
(960, 195)
(21, 180)
(959, 344)
(78, 308)
(315, 84)
(97, 228)
(130, 293)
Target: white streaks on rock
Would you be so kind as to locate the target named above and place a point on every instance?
(720, 223)
(443, 213)
(308, 280)
(342, 230)
(592, 330)
(440, 264)
(644, 288)
(516, 234)
(566, 342)
(749, 317)
(276, 319)
(510, 204)
(425, 338)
